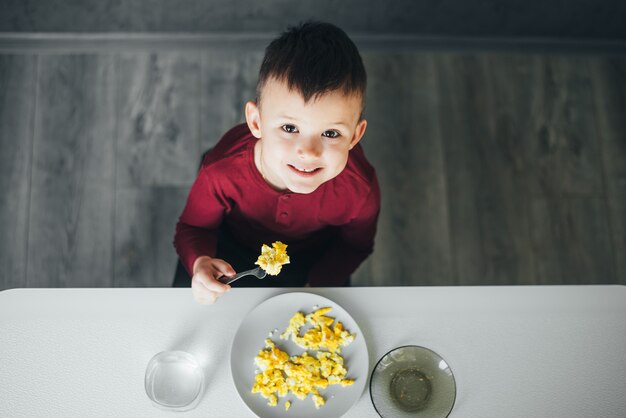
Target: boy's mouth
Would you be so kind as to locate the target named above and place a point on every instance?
(305, 172)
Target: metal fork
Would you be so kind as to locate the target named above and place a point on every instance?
(258, 272)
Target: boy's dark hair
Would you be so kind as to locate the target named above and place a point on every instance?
(314, 58)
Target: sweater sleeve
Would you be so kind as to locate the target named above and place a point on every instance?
(198, 225)
(354, 243)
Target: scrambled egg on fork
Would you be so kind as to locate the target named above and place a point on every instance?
(272, 259)
(304, 374)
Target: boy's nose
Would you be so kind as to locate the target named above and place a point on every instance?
(309, 148)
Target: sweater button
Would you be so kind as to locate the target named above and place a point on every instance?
(284, 215)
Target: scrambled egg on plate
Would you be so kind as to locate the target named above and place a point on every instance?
(304, 374)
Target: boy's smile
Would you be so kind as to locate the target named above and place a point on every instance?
(303, 145)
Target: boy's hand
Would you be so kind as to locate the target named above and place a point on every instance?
(204, 284)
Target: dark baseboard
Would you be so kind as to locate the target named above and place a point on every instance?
(14, 43)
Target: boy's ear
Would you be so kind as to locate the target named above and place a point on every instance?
(253, 118)
(358, 132)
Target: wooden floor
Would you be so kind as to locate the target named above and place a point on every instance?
(495, 169)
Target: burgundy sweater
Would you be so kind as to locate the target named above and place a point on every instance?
(338, 220)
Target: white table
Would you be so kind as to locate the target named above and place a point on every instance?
(551, 351)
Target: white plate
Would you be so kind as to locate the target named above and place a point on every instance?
(275, 313)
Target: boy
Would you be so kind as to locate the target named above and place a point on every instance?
(294, 172)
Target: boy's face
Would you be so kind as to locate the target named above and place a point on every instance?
(303, 145)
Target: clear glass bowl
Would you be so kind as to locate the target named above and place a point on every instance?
(412, 381)
(174, 381)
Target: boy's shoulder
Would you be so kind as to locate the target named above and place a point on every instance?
(233, 145)
(358, 169)
(356, 185)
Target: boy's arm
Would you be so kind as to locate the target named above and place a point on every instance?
(196, 230)
(354, 244)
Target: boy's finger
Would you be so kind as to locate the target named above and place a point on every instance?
(202, 294)
(199, 292)
(224, 268)
(200, 299)
(207, 299)
(205, 285)
(216, 286)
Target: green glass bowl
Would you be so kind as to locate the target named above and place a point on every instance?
(412, 381)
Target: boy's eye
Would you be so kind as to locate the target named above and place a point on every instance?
(331, 134)
(290, 129)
